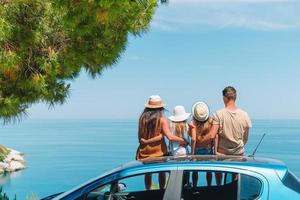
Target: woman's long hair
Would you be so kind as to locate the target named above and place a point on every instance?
(179, 128)
(204, 127)
(149, 122)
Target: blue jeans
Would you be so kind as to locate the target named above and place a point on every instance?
(204, 151)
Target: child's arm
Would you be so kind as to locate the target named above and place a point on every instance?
(216, 143)
(169, 135)
(192, 132)
(151, 140)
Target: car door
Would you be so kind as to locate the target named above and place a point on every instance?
(131, 185)
(234, 184)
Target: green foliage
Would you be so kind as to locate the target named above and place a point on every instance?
(3, 152)
(4, 195)
(33, 196)
(46, 43)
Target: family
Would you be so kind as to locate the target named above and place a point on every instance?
(223, 133)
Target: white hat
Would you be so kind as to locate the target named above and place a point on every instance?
(155, 102)
(200, 111)
(179, 114)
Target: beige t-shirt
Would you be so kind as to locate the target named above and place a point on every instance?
(232, 125)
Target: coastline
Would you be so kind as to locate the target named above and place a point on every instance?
(11, 160)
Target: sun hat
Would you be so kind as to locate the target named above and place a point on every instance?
(200, 111)
(155, 101)
(179, 114)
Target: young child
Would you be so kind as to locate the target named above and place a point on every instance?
(200, 126)
(179, 127)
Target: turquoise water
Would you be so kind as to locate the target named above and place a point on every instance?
(61, 154)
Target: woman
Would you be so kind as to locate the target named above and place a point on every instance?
(200, 126)
(179, 127)
(152, 127)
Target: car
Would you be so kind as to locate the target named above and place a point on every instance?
(242, 177)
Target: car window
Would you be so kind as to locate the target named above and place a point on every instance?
(219, 185)
(250, 187)
(137, 183)
(100, 193)
(133, 187)
(292, 182)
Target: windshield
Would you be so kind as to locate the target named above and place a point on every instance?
(291, 181)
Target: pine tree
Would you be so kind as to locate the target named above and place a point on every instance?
(46, 43)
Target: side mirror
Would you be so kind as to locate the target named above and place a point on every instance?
(122, 187)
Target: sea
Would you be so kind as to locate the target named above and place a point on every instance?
(61, 154)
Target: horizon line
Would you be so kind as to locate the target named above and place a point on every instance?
(136, 119)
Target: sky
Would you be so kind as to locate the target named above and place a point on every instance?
(193, 49)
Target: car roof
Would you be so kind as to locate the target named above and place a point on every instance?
(207, 159)
(215, 160)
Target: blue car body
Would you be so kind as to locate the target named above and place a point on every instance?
(265, 178)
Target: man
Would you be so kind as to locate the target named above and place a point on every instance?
(230, 129)
(230, 126)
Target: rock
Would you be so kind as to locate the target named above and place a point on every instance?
(13, 161)
(4, 166)
(15, 151)
(12, 156)
(15, 166)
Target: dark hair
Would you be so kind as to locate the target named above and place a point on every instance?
(229, 92)
(149, 122)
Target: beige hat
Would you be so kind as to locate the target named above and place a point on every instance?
(155, 101)
(200, 111)
(179, 114)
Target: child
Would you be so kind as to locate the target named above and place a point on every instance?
(200, 126)
(179, 127)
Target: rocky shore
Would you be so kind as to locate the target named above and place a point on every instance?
(11, 160)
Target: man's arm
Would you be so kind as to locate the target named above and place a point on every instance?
(246, 134)
(211, 134)
(248, 126)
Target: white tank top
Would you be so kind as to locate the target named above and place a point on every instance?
(174, 146)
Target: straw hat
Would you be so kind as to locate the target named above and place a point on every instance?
(179, 114)
(200, 111)
(155, 101)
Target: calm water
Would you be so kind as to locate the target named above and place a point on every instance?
(61, 154)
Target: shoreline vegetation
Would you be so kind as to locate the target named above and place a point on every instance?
(11, 160)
